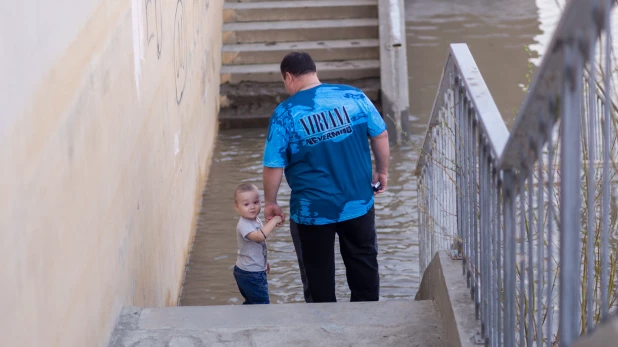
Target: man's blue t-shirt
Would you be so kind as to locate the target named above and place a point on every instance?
(320, 136)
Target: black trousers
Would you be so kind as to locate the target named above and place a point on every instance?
(299, 257)
(359, 250)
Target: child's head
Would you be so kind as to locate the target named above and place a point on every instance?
(247, 200)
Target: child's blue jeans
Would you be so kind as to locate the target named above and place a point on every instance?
(253, 286)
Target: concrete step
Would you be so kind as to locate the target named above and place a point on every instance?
(300, 30)
(383, 323)
(298, 10)
(349, 70)
(250, 104)
(253, 117)
(331, 50)
(246, 94)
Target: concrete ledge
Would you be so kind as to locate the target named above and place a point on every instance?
(605, 335)
(444, 284)
(384, 323)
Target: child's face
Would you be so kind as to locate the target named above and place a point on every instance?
(248, 204)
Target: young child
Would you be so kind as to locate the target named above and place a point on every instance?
(251, 263)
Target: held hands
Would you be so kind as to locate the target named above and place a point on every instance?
(383, 179)
(273, 210)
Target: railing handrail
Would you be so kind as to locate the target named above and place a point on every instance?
(525, 228)
(480, 98)
(546, 81)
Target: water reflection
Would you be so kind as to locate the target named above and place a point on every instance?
(496, 32)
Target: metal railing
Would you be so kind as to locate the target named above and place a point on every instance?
(540, 265)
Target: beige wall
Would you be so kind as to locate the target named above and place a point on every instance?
(105, 143)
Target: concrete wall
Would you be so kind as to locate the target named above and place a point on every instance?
(107, 124)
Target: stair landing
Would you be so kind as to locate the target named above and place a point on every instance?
(384, 323)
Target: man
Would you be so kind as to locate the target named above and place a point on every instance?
(319, 136)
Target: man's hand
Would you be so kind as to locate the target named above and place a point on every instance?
(383, 179)
(272, 210)
(381, 153)
(267, 267)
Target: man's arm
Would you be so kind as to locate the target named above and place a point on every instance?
(271, 180)
(381, 153)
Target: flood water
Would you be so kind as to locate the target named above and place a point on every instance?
(238, 158)
(497, 33)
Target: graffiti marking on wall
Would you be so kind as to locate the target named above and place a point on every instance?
(180, 51)
(154, 24)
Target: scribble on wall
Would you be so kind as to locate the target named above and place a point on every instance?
(180, 51)
(154, 24)
(197, 18)
(200, 10)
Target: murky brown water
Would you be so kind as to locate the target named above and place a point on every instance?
(209, 279)
(496, 32)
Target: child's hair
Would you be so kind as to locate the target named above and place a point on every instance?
(244, 187)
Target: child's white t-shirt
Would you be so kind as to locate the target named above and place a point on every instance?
(251, 255)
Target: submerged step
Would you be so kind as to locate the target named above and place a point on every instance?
(251, 104)
(392, 323)
(300, 30)
(248, 94)
(236, 118)
(347, 70)
(298, 10)
(328, 50)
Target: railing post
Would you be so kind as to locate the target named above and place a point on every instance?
(509, 259)
(570, 200)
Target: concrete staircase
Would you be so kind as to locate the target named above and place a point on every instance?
(384, 323)
(341, 36)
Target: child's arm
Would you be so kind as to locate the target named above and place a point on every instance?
(260, 236)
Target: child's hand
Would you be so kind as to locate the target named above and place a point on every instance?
(277, 219)
(267, 268)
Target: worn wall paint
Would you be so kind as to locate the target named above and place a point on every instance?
(99, 188)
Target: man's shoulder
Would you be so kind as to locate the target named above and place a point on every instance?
(328, 88)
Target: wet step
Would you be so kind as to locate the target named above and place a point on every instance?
(300, 30)
(253, 93)
(384, 323)
(347, 70)
(250, 104)
(329, 50)
(298, 10)
(254, 116)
